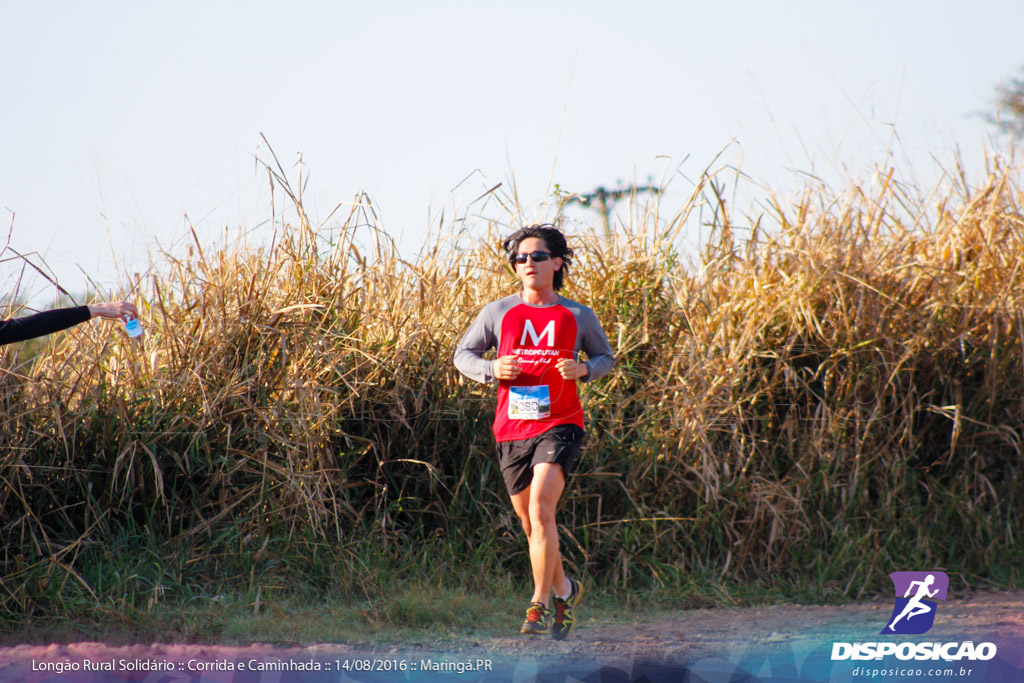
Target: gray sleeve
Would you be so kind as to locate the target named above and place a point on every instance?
(469, 354)
(593, 341)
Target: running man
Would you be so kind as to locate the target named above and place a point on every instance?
(914, 606)
(47, 322)
(538, 425)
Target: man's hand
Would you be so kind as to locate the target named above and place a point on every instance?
(507, 367)
(113, 309)
(570, 369)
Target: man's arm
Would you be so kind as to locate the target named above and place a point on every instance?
(910, 588)
(600, 357)
(469, 355)
(48, 322)
(39, 324)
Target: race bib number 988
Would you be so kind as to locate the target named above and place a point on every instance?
(529, 403)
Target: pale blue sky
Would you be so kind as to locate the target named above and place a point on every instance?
(121, 117)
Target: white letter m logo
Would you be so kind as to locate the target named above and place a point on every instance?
(549, 331)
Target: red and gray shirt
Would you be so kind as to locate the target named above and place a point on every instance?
(539, 398)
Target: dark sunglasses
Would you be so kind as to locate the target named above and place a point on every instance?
(537, 256)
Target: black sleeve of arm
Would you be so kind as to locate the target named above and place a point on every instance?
(47, 322)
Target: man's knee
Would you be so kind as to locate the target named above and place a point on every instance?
(542, 513)
(527, 525)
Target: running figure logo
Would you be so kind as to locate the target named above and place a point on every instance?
(914, 613)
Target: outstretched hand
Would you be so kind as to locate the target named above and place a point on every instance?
(114, 309)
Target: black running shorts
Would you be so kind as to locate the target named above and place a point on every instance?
(559, 444)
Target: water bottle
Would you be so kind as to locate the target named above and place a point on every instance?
(133, 327)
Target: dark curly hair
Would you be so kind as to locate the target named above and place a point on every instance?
(554, 240)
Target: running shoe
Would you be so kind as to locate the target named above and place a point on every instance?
(536, 620)
(563, 621)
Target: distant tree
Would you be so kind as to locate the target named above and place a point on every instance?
(1009, 114)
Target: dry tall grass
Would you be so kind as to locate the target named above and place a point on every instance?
(835, 396)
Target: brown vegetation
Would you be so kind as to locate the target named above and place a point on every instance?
(834, 396)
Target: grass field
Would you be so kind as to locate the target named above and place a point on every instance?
(832, 390)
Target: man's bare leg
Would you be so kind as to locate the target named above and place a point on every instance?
(535, 506)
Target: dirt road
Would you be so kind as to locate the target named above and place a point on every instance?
(722, 641)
